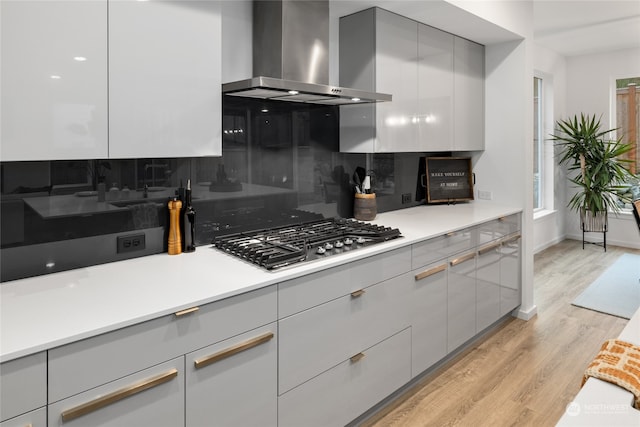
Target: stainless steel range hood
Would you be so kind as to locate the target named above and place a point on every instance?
(290, 56)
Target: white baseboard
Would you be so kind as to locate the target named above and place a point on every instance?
(548, 244)
(526, 314)
(612, 242)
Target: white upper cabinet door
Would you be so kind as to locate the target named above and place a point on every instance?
(164, 79)
(469, 95)
(397, 74)
(435, 89)
(54, 80)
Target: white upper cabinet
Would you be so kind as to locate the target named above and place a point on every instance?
(146, 86)
(469, 95)
(378, 52)
(396, 73)
(54, 80)
(436, 80)
(164, 79)
(435, 89)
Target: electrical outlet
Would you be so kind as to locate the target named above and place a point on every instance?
(131, 243)
(406, 198)
(485, 195)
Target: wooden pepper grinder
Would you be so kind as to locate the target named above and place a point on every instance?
(175, 238)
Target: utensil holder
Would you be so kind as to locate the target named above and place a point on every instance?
(365, 207)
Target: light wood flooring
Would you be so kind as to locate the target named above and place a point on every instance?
(522, 373)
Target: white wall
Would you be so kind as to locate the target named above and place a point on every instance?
(590, 83)
(549, 228)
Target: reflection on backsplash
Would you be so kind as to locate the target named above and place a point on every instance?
(280, 165)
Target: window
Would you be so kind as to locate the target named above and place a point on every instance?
(538, 145)
(627, 117)
(627, 105)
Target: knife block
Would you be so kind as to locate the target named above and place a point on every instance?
(365, 207)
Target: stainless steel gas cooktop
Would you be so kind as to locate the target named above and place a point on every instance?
(282, 246)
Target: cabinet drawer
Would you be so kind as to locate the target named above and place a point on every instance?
(428, 307)
(350, 388)
(317, 339)
(498, 228)
(23, 385)
(240, 369)
(37, 418)
(152, 397)
(82, 365)
(317, 288)
(510, 276)
(441, 247)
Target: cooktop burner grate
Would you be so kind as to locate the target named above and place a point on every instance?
(278, 247)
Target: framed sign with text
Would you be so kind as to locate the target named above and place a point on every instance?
(449, 179)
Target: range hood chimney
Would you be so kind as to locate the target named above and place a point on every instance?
(291, 56)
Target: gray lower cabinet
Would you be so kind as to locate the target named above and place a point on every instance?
(317, 339)
(351, 387)
(346, 343)
(23, 390)
(152, 397)
(510, 275)
(461, 299)
(136, 376)
(488, 285)
(234, 382)
(428, 309)
(37, 418)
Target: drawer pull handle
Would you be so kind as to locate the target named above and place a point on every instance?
(187, 311)
(358, 293)
(512, 239)
(228, 352)
(117, 395)
(502, 218)
(431, 272)
(488, 248)
(462, 259)
(451, 234)
(358, 357)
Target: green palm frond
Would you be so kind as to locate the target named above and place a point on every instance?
(604, 170)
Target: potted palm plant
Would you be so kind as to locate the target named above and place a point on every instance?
(599, 169)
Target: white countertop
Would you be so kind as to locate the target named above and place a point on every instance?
(44, 312)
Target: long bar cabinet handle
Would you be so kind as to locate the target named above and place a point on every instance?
(462, 259)
(489, 248)
(358, 293)
(430, 272)
(108, 399)
(512, 239)
(358, 357)
(228, 352)
(187, 311)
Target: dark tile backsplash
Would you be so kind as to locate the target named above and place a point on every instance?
(280, 165)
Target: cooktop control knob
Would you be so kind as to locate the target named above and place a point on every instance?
(360, 240)
(328, 246)
(321, 250)
(339, 244)
(348, 241)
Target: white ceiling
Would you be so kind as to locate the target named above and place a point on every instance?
(569, 27)
(579, 27)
